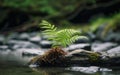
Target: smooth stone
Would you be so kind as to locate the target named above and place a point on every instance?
(82, 40)
(31, 52)
(13, 36)
(33, 34)
(16, 44)
(85, 46)
(113, 37)
(44, 37)
(35, 39)
(101, 47)
(99, 30)
(114, 52)
(17, 57)
(91, 36)
(2, 39)
(24, 36)
(3, 47)
(45, 44)
(88, 70)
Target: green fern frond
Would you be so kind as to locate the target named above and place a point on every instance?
(62, 37)
(49, 28)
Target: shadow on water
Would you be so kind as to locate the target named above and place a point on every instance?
(18, 70)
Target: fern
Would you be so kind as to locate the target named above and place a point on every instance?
(62, 37)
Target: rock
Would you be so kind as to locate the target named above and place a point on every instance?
(16, 44)
(88, 70)
(100, 30)
(44, 37)
(113, 37)
(101, 47)
(33, 34)
(82, 40)
(114, 52)
(31, 52)
(19, 56)
(91, 36)
(35, 39)
(2, 39)
(3, 48)
(85, 46)
(24, 36)
(13, 36)
(45, 44)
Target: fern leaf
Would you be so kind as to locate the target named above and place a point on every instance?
(62, 37)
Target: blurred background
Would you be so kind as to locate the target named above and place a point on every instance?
(25, 15)
(21, 40)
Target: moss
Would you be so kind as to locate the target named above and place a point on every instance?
(94, 57)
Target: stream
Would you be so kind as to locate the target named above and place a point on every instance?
(17, 70)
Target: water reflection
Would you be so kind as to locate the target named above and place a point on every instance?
(20, 70)
(73, 71)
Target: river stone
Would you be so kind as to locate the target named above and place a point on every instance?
(31, 52)
(44, 37)
(35, 39)
(19, 56)
(24, 36)
(114, 52)
(88, 70)
(45, 44)
(16, 44)
(113, 37)
(101, 47)
(91, 36)
(33, 34)
(85, 46)
(13, 36)
(82, 40)
(3, 47)
(2, 39)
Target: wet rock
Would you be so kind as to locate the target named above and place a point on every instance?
(44, 37)
(13, 36)
(85, 46)
(3, 48)
(83, 40)
(31, 52)
(91, 36)
(2, 39)
(19, 56)
(33, 34)
(114, 52)
(113, 37)
(88, 70)
(100, 47)
(16, 44)
(24, 36)
(45, 44)
(35, 39)
(100, 30)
